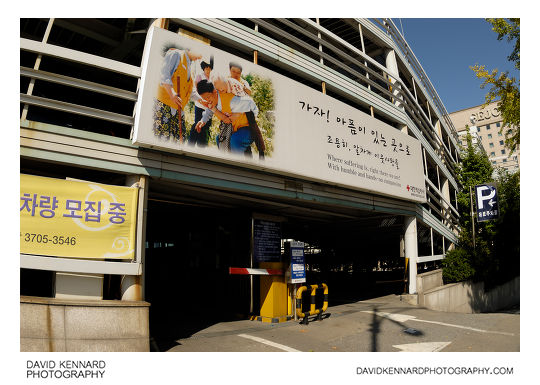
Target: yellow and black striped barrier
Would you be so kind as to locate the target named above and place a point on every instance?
(312, 310)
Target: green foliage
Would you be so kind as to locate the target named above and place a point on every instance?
(502, 87)
(508, 225)
(457, 266)
(189, 116)
(509, 29)
(507, 91)
(474, 169)
(494, 256)
(262, 93)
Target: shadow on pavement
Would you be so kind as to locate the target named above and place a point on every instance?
(376, 322)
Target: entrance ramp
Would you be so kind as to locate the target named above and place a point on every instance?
(247, 335)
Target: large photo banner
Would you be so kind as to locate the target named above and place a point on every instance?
(200, 101)
(64, 218)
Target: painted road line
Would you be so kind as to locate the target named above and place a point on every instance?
(269, 343)
(404, 317)
(391, 316)
(422, 347)
(464, 327)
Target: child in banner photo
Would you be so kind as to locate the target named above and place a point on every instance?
(174, 92)
(201, 134)
(240, 84)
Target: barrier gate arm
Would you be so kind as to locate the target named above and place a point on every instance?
(251, 271)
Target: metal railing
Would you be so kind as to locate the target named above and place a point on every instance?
(379, 79)
(388, 25)
(50, 50)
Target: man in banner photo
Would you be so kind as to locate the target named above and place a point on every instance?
(237, 115)
(174, 92)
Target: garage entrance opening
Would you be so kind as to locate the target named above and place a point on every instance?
(357, 260)
(189, 250)
(192, 243)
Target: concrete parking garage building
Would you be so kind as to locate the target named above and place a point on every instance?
(132, 227)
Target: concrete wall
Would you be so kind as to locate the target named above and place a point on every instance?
(54, 325)
(468, 297)
(427, 281)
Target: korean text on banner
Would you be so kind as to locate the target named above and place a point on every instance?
(77, 219)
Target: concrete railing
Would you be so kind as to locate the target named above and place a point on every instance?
(429, 280)
(469, 297)
(54, 325)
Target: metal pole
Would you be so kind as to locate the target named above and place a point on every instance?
(36, 67)
(251, 266)
(472, 219)
(294, 301)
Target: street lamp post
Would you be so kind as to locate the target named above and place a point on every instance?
(473, 121)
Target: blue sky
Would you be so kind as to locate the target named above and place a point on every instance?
(447, 47)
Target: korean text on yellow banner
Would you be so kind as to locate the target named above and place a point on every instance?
(77, 219)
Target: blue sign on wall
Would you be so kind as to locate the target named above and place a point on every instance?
(266, 241)
(487, 202)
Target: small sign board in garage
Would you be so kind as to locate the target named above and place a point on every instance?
(298, 262)
(266, 241)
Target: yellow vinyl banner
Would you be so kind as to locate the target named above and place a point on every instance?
(77, 219)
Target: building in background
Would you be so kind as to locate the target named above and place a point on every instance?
(359, 165)
(476, 140)
(488, 122)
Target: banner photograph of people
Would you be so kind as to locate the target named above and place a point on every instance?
(204, 99)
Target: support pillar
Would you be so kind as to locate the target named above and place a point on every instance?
(411, 251)
(403, 128)
(446, 206)
(392, 65)
(161, 23)
(131, 286)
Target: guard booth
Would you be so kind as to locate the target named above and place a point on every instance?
(279, 281)
(267, 271)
